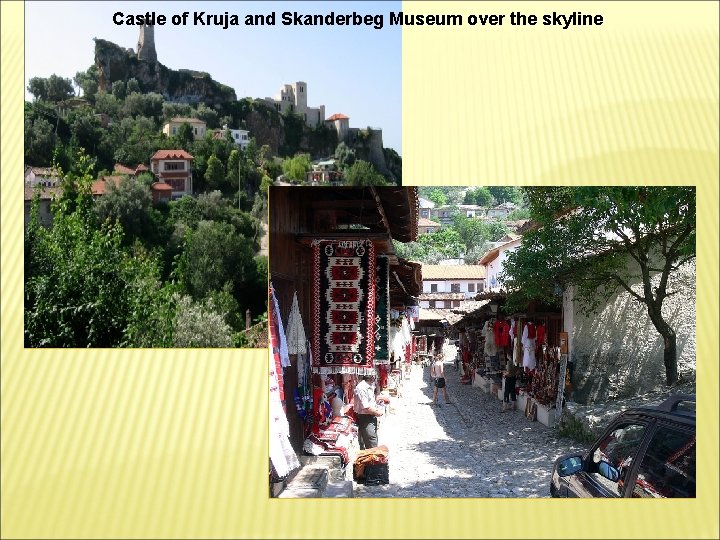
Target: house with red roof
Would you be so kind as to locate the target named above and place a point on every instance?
(174, 168)
(340, 123)
(102, 185)
(132, 172)
(161, 192)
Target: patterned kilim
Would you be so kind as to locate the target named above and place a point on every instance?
(382, 311)
(343, 306)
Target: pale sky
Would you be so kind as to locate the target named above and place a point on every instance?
(354, 70)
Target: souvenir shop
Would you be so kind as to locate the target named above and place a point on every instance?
(488, 339)
(341, 307)
(430, 336)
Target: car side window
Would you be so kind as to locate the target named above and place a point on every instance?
(613, 456)
(668, 468)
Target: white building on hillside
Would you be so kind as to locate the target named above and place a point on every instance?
(241, 137)
(425, 207)
(446, 286)
(494, 260)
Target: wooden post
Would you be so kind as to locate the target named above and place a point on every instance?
(561, 387)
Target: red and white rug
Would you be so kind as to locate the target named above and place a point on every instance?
(343, 306)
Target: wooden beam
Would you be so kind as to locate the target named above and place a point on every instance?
(380, 207)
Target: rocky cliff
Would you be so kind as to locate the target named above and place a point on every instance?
(114, 63)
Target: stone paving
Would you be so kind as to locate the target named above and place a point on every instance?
(466, 449)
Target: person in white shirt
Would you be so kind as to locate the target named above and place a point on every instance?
(366, 411)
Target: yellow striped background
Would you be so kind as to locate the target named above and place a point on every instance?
(172, 443)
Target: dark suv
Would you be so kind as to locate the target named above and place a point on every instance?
(645, 452)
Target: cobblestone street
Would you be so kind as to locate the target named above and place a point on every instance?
(468, 448)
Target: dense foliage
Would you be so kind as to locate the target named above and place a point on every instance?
(119, 272)
(465, 238)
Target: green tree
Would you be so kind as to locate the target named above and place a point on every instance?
(133, 85)
(438, 197)
(296, 168)
(265, 184)
(216, 256)
(136, 139)
(215, 173)
(232, 176)
(175, 110)
(40, 140)
(52, 89)
(207, 115)
(294, 128)
(503, 194)
(108, 104)
(496, 230)
(601, 240)
(85, 129)
(431, 248)
(454, 195)
(186, 211)
(362, 173)
(472, 232)
(119, 90)
(518, 214)
(480, 196)
(184, 136)
(344, 155)
(88, 82)
(147, 105)
(199, 324)
(129, 204)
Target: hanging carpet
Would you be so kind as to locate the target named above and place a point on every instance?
(382, 311)
(343, 306)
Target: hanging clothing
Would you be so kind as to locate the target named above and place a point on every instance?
(501, 331)
(282, 456)
(407, 333)
(489, 335)
(531, 330)
(540, 332)
(528, 343)
(282, 341)
(295, 332)
(397, 343)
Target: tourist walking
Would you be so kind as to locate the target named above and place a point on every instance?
(511, 373)
(437, 372)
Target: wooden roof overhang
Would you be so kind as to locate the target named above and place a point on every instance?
(381, 214)
(405, 282)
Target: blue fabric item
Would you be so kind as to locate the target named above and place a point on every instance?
(284, 354)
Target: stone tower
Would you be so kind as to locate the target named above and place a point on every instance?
(146, 44)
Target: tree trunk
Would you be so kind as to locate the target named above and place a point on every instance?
(670, 359)
(670, 342)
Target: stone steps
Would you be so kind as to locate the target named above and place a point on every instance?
(319, 477)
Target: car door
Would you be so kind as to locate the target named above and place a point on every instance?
(609, 465)
(667, 468)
